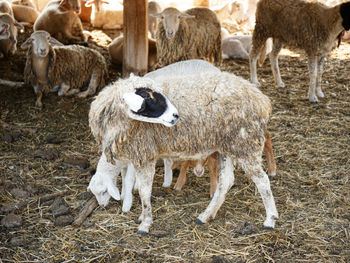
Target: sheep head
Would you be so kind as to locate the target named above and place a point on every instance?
(71, 4)
(4, 30)
(150, 105)
(97, 4)
(171, 18)
(40, 41)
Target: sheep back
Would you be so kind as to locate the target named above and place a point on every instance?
(72, 65)
(198, 37)
(218, 112)
(295, 23)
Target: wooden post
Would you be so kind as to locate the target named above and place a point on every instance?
(135, 48)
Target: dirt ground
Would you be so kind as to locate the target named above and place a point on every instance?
(52, 151)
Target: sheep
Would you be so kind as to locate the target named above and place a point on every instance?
(64, 68)
(218, 112)
(109, 16)
(27, 3)
(115, 49)
(239, 47)
(195, 33)
(25, 14)
(8, 38)
(212, 162)
(153, 8)
(60, 19)
(309, 26)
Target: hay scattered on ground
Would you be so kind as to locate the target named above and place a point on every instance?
(312, 192)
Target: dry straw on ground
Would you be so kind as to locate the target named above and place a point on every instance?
(312, 192)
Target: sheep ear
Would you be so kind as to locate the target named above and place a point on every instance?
(26, 44)
(113, 191)
(135, 102)
(62, 3)
(89, 3)
(159, 15)
(105, 2)
(55, 42)
(18, 25)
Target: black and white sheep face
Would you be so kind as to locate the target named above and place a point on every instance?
(345, 14)
(40, 40)
(171, 18)
(148, 105)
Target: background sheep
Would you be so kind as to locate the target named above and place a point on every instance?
(231, 113)
(107, 16)
(64, 68)
(239, 47)
(8, 39)
(153, 8)
(24, 11)
(60, 19)
(315, 29)
(115, 49)
(192, 34)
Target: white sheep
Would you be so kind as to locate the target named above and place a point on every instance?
(60, 19)
(64, 68)
(239, 47)
(217, 112)
(309, 26)
(193, 34)
(106, 15)
(106, 172)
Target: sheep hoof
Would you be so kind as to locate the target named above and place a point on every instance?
(142, 232)
(268, 227)
(272, 175)
(199, 222)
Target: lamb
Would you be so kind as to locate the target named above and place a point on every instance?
(153, 8)
(195, 33)
(315, 29)
(218, 112)
(109, 16)
(60, 19)
(115, 49)
(239, 47)
(64, 68)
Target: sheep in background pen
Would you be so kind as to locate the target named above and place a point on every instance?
(115, 50)
(25, 11)
(309, 26)
(232, 115)
(109, 16)
(64, 68)
(195, 33)
(60, 19)
(153, 8)
(8, 39)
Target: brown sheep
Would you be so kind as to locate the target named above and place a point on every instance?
(195, 33)
(310, 26)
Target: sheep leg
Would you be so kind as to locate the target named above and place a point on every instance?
(168, 173)
(226, 179)
(213, 173)
(268, 151)
(277, 46)
(129, 184)
(313, 76)
(181, 180)
(39, 95)
(63, 90)
(95, 79)
(262, 182)
(145, 179)
(257, 44)
(123, 174)
(319, 92)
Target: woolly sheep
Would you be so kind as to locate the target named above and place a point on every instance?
(310, 26)
(109, 16)
(195, 33)
(115, 49)
(60, 19)
(217, 112)
(153, 8)
(25, 13)
(104, 176)
(64, 68)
